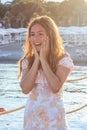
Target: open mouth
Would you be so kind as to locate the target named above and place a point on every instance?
(37, 44)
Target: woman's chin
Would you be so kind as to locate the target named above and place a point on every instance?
(38, 49)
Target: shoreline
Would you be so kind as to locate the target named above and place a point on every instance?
(11, 53)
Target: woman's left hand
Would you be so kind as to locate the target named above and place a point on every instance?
(44, 50)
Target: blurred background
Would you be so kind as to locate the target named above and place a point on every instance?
(71, 19)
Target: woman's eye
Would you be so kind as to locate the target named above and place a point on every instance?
(41, 34)
(32, 34)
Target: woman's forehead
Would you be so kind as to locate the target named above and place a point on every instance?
(38, 28)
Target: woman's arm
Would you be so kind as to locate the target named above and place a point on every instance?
(28, 78)
(57, 80)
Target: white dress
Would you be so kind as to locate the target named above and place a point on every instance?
(44, 109)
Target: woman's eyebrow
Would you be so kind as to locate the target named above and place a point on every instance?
(37, 31)
(31, 32)
(40, 31)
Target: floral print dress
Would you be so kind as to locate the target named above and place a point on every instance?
(44, 109)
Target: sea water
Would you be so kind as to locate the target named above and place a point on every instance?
(11, 96)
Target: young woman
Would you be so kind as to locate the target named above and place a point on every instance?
(44, 69)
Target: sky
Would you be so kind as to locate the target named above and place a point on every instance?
(3, 1)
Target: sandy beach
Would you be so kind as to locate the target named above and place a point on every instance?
(12, 52)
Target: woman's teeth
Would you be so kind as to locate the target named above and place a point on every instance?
(37, 44)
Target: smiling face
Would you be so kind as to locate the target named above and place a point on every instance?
(38, 36)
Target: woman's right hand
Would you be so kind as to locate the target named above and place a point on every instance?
(36, 53)
(29, 75)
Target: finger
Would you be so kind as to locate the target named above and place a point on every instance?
(43, 44)
(47, 43)
(33, 47)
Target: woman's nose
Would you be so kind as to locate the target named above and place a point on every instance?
(36, 38)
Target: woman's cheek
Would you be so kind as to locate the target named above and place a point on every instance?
(43, 39)
(31, 40)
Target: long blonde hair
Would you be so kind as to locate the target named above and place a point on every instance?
(56, 46)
